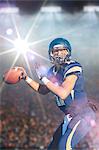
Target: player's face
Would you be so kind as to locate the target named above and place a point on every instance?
(60, 53)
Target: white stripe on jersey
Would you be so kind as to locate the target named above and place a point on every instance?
(73, 69)
(72, 94)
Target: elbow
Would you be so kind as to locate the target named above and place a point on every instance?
(62, 95)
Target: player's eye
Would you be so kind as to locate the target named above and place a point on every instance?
(56, 50)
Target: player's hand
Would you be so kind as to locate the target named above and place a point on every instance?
(23, 73)
(40, 70)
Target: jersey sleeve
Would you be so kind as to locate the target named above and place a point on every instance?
(74, 69)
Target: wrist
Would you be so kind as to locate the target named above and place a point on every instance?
(28, 79)
(45, 80)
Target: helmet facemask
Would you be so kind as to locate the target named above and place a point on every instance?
(59, 59)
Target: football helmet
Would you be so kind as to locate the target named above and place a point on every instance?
(59, 44)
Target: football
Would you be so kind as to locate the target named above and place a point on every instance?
(13, 75)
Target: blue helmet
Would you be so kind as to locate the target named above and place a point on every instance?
(59, 43)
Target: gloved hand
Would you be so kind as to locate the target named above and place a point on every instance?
(41, 71)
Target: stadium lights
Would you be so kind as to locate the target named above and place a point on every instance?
(51, 9)
(7, 10)
(91, 8)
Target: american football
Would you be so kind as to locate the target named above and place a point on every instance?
(13, 75)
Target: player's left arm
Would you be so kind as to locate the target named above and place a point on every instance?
(65, 88)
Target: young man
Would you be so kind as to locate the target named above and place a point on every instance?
(65, 80)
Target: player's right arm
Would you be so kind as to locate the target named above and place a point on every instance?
(40, 88)
(33, 84)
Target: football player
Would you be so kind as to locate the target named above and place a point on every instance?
(65, 80)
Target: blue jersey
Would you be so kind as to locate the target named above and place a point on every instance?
(77, 99)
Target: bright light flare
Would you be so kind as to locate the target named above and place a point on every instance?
(21, 46)
(9, 31)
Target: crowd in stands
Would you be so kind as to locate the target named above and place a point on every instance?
(19, 130)
(32, 129)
